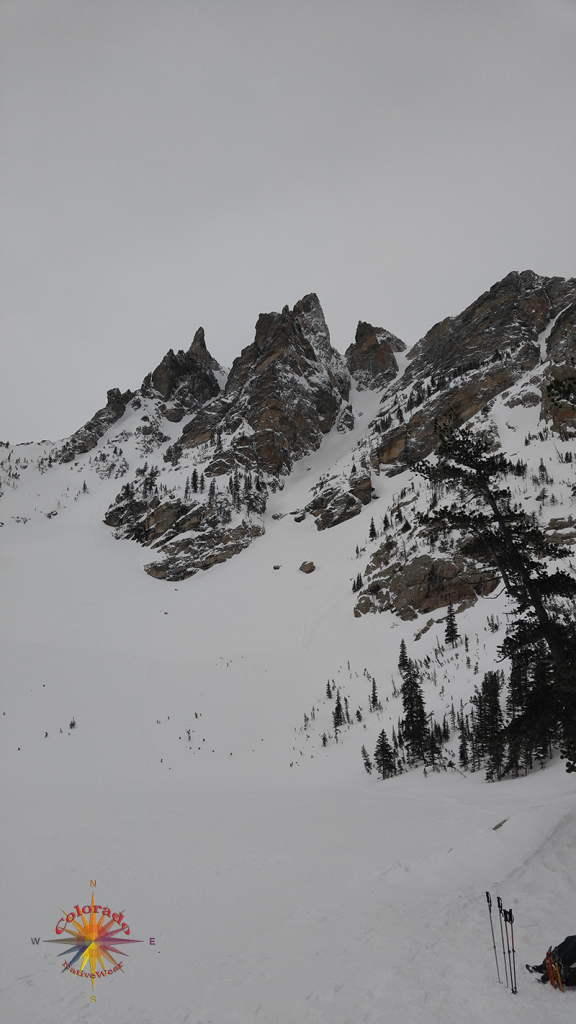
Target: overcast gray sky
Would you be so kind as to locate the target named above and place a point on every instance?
(171, 163)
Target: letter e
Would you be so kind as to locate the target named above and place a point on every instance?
(152, 942)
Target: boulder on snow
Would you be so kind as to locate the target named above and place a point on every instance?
(307, 567)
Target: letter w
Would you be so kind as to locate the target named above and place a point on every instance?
(34, 941)
(100, 974)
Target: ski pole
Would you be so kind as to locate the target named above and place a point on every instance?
(511, 919)
(500, 911)
(489, 901)
(506, 920)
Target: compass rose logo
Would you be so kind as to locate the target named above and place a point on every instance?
(95, 935)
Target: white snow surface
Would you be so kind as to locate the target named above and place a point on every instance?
(281, 883)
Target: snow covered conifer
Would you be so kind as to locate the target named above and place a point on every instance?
(338, 716)
(384, 757)
(372, 531)
(367, 762)
(414, 725)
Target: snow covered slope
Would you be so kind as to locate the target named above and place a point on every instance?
(281, 883)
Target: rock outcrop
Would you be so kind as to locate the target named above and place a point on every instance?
(463, 362)
(559, 393)
(283, 393)
(87, 437)
(422, 585)
(184, 380)
(371, 359)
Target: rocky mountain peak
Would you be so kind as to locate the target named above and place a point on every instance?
(371, 359)
(204, 498)
(199, 351)
(465, 361)
(185, 380)
(284, 392)
(505, 321)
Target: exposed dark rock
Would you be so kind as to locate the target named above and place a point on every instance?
(508, 317)
(559, 400)
(474, 357)
(185, 557)
(424, 584)
(307, 567)
(371, 358)
(199, 351)
(287, 387)
(186, 380)
(525, 398)
(87, 437)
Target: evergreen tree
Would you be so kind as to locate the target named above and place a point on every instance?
(414, 723)
(463, 759)
(202, 483)
(384, 757)
(375, 704)
(372, 531)
(494, 741)
(503, 535)
(403, 659)
(451, 633)
(338, 716)
(433, 747)
(367, 762)
(195, 480)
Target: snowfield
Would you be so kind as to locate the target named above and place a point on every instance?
(280, 882)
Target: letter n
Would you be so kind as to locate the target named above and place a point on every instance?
(93, 883)
(34, 941)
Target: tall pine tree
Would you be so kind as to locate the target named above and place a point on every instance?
(497, 532)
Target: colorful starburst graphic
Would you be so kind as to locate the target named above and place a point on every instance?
(93, 940)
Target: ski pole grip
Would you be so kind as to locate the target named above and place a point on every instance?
(499, 902)
(511, 917)
(488, 899)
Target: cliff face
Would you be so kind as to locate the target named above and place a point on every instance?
(462, 363)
